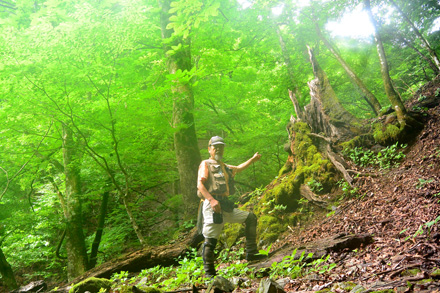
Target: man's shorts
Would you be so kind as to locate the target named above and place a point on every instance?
(211, 230)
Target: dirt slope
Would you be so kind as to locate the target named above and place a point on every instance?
(398, 208)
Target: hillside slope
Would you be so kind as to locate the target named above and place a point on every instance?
(399, 208)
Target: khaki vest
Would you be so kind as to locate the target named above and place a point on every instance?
(220, 180)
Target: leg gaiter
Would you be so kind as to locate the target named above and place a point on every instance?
(208, 256)
(251, 234)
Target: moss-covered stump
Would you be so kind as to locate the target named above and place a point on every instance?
(91, 285)
(283, 203)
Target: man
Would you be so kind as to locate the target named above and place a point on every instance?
(214, 185)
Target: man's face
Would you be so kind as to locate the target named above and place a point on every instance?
(216, 151)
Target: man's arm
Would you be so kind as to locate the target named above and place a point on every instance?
(246, 164)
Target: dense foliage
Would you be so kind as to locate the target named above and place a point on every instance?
(97, 70)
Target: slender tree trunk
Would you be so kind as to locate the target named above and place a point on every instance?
(390, 91)
(6, 272)
(99, 229)
(75, 241)
(423, 56)
(295, 93)
(425, 42)
(368, 95)
(185, 138)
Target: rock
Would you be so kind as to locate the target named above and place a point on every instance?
(220, 284)
(92, 285)
(36, 286)
(283, 282)
(269, 286)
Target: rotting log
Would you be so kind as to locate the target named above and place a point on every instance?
(318, 248)
(147, 257)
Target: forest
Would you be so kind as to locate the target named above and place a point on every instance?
(107, 107)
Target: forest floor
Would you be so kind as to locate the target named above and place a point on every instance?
(399, 208)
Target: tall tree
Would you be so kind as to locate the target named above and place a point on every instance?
(77, 261)
(178, 53)
(390, 91)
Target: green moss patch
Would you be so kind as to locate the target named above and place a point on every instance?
(91, 285)
(386, 134)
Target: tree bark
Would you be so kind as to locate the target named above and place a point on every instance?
(390, 91)
(99, 229)
(368, 95)
(185, 138)
(325, 113)
(75, 241)
(6, 272)
(425, 42)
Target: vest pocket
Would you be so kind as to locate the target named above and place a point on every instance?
(220, 184)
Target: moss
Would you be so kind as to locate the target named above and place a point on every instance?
(345, 286)
(425, 281)
(387, 134)
(385, 291)
(269, 228)
(151, 290)
(410, 273)
(436, 273)
(285, 169)
(91, 285)
(231, 233)
(358, 141)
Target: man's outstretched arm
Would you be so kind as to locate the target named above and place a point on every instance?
(246, 164)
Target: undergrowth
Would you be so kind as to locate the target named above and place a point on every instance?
(384, 159)
(231, 264)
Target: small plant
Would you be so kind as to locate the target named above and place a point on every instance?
(428, 225)
(303, 203)
(347, 189)
(315, 186)
(385, 159)
(423, 182)
(265, 251)
(322, 266)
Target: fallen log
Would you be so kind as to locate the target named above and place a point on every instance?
(148, 257)
(318, 248)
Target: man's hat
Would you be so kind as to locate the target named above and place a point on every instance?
(215, 140)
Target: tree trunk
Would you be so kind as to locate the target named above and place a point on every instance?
(75, 241)
(368, 96)
(390, 91)
(185, 138)
(7, 273)
(425, 42)
(325, 113)
(295, 93)
(99, 229)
